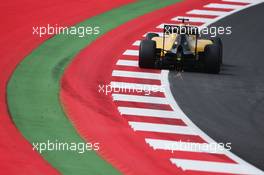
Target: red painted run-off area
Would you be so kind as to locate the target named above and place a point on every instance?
(17, 41)
(95, 115)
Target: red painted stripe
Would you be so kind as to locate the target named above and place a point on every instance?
(206, 173)
(196, 156)
(178, 22)
(173, 137)
(133, 47)
(201, 16)
(233, 3)
(154, 120)
(128, 57)
(217, 9)
(144, 105)
(136, 69)
(151, 94)
(136, 80)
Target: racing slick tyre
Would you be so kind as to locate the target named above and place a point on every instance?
(212, 60)
(149, 36)
(147, 54)
(218, 41)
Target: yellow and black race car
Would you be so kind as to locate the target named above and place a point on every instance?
(181, 47)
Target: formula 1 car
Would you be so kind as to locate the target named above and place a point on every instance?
(181, 47)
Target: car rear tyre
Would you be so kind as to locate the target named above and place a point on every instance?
(218, 41)
(147, 54)
(149, 36)
(212, 60)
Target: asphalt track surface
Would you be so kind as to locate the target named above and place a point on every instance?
(229, 107)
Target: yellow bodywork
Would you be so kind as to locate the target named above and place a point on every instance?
(170, 40)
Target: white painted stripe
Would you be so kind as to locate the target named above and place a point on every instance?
(159, 33)
(244, 1)
(223, 6)
(193, 19)
(148, 112)
(139, 98)
(217, 167)
(131, 52)
(136, 43)
(185, 146)
(131, 63)
(163, 128)
(135, 87)
(207, 12)
(133, 74)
